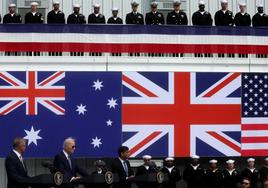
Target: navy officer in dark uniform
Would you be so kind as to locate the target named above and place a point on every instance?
(134, 17)
(172, 172)
(154, 17)
(194, 174)
(115, 19)
(177, 16)
(202, 17)
(224, 17)
(242, 18)
(34, 16)
(96, 17)
(12, 16)
(231, 176)
(76, 17)
(56, 16)
(214, 176)
(260, 19)
(251, 173)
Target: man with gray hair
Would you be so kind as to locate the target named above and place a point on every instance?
(66, 164)
(15, 166)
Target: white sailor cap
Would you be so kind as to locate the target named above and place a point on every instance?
(224, 1)
(12, 5)
(56, 2)
(177, 2)
(76, 6)
(154, 3)
(169, 159)
(201, 3)
(213, 161)
(266, 159)
(115, 9)
(230, 161)
(34, 4)
(242, 4)
(195, 157)
(96, 5)
(250, 160)
(147, 157)
(260, 5)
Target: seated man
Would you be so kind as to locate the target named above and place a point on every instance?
(67, 164)
(15, 166)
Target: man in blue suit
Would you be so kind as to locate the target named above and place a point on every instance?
(66, 164)
(15, 166)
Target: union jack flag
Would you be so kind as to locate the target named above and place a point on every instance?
(31, 91)
(189, 106)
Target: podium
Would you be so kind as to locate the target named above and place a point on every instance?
(98, 180)
(45, 180)
(152, 180)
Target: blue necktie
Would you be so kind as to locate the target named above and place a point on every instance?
(125, 168)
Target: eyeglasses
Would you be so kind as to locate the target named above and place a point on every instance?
(73, 147)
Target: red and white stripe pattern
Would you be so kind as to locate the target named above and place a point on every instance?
(254, 137)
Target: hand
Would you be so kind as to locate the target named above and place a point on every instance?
(129, 177)
(74, 178)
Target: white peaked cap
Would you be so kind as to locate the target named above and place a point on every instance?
(76, 6)
(56, 2)
(250, 160)
(195, 157)
(224, 1)
(201, 3)
(154, 3)
(12, 5)
(34, 4)
(213, 161)
(176, 2)
(169, 159)
(96, 5)
(147, 157)
(242, 4)
(230, 161)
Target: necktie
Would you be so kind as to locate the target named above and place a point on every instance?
(125, 168)
(69, 161)
(21, 160)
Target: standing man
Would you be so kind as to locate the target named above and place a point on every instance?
(231, 176)
(260, 19)
(242, 18)
(56, 16)
(34, 16)
(12, 16)
(194, 174)
(251, 173)
(264, 170)
(15, 166)
(224, 17)
(134, 17)
(96, 17)
(154, 17)
(115, 19)
(172, 172)
(177, 16)
(202, 17)
(214, 177)
(76, 17)
(66, 163)
(121, 166)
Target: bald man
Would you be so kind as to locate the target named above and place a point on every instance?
(66, 164)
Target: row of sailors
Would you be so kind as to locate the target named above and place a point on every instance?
(223, 17)
(197, 177)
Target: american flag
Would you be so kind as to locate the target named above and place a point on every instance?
(254, 114)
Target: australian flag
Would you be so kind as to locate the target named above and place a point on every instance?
(46, 107)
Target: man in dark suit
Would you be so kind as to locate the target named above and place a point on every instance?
(154, 17)
(264, 170)
(134, 17)
(12, 16)
(121, 166)
(101, 169)
(15, 166)
(96, 17)
(66, 164)
(172, 172)
(177, 16)
(34, 17)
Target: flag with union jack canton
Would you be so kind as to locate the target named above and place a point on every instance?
(47, 107)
